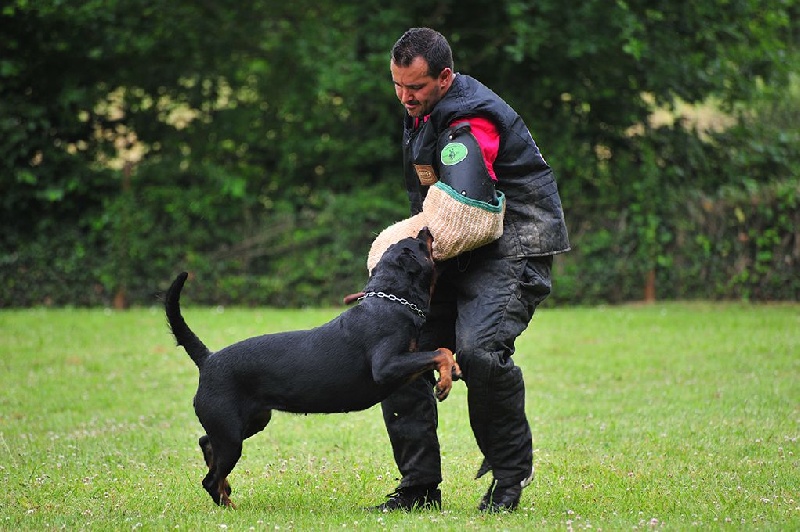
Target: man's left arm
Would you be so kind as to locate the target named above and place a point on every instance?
(463, 210)
(488, 139)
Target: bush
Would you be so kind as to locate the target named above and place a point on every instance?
(740, 243)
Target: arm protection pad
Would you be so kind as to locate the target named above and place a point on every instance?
(463, 166)
(457, 223)
(463, 211)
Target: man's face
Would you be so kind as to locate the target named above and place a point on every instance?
(416, 90)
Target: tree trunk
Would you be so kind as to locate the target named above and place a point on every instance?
(121, 295)
(650, 286)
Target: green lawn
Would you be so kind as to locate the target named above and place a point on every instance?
(672, 415)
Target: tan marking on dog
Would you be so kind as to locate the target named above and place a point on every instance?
(446, 365)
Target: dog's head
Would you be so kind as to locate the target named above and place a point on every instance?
(406, 269)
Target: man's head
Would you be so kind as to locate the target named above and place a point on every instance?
(422, 69)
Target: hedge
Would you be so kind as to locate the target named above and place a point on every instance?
(741, 244)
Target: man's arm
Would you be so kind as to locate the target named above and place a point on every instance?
(488, 139)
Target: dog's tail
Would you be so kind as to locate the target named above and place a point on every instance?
(183, 334)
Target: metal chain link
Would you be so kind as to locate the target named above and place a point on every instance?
(392, 297)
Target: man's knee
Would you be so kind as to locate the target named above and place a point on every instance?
(488, 368)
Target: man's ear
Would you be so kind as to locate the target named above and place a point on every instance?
(445, 78)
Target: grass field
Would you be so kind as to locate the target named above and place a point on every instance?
(674, 416)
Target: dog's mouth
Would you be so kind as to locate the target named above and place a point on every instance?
(426, 236)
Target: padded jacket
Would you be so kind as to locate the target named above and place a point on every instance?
(534, 219)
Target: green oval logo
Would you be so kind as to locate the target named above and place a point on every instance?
(454, 153)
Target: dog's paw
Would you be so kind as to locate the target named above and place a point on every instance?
(227, 503)
(441, 393)
(445, 365)
(457, 375)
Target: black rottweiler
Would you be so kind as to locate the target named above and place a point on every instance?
(351, 363)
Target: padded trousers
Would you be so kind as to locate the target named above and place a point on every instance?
(481, 303)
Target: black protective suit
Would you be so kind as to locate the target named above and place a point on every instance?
(485, 298)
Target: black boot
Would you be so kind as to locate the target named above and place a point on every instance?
(503, 497)
(410, 498)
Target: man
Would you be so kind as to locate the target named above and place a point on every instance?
(484, 298)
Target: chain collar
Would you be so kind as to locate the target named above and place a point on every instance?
(392, 297)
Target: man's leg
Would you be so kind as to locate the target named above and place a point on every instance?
(497, 300)
(411, 416)
(411, 420)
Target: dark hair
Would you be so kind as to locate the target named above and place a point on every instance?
(426, 43)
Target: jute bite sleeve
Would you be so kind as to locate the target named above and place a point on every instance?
(457, 223)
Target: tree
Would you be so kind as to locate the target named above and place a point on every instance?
(237, 117)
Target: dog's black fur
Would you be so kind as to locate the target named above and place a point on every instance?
(351, 363)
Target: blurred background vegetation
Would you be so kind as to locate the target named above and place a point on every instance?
(256, 144)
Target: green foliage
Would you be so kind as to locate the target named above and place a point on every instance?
(578, 71)
(60, 64)
(311, 255)
(764, 144)
(62, 271)
(134, 144)
(757, 227)
(737, 243)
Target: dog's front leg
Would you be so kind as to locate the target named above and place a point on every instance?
(407, 366)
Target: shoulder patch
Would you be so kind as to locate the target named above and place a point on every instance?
(453, 153)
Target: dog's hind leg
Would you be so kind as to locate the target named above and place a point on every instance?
(208, 456)
(224, 453)
(216, 482)
(208, 452)
(257, 423)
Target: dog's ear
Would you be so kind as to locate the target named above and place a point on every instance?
(409, 262)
